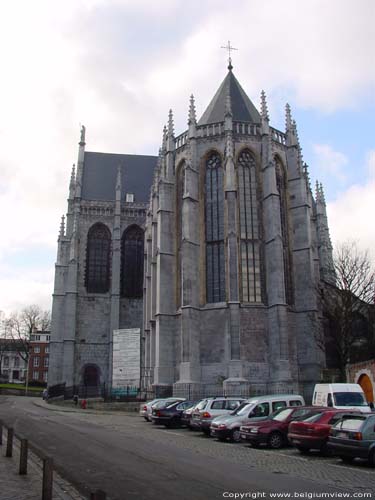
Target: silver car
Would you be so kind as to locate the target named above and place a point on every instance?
(210, 408)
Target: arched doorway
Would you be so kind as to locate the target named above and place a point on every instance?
(366, 384)
(91, 376)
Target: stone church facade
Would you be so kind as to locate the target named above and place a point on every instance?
(235, 247)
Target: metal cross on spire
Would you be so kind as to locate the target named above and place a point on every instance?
(228, 47)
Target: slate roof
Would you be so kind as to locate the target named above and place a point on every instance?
(100, 173)
(242, 108)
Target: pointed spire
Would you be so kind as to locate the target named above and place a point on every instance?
(83, 136)
(164, 142)
(118, 178)
(307, 175)
(263, 107)
(322, 196)
(317, 192)
(288, 118)
(170, 124)
(62, 227)
(192, 114)
(73, 175)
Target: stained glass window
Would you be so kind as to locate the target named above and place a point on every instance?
(250, 244)
(214, 214)
(98, 259)
(132, 262)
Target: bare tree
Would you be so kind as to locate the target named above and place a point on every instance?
(349, 305)
(20, 326)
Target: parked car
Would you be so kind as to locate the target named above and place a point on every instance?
(251, 410)
(169, 413)
(145, 409)
(312, 433)
(354, 436)
(273, 431)
(210, 408)
(187, 414)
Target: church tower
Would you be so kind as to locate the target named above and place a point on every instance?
(235, 244)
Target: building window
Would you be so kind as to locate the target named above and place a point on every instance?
(6, 361)
(45, 376)
(16, 362)
(250, 244)
(46, 362)
(129, 198)
(98, 259)
(281, 183)
(132, 262)
(46, 349)
(35, 375)
(36, 361)
(214, 226)
(37, 349)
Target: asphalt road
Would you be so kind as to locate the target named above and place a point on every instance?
(131, 459)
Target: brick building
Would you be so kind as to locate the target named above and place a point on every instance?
(39, 357)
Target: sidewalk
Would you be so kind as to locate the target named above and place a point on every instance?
(29, 487)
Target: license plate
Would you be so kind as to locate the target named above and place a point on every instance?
(296, 441)
(243, 436)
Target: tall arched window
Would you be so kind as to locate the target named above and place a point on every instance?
(98, 259)
(132, 262)
(179, 201)
(250, 250)
(281, 183)
(214, 215)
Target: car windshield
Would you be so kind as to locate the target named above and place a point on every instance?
(201, 405)
(349, 399)
(350, 424)
(281, 415)
(242, 409)
(314, 418)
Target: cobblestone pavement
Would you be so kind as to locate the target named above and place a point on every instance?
(29, 487)
(354, 478)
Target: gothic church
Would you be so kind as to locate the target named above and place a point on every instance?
(215, 249)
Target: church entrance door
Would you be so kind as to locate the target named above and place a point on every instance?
(365, 382)
(91, 376)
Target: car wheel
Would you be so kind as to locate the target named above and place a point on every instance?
(235, 435)
(347, 460)
(303, 449)
(275, 441)
(146, 419)
(207, 432)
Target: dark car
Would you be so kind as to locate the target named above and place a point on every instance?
(312, 433)
(169, 413)
(273, 431)
(354, 436)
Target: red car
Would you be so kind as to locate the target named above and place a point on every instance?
(273, 431)
(313, 432)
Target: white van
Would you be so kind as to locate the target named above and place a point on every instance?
(340, 396)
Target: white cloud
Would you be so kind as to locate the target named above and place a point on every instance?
(329, 162)
(351, 215)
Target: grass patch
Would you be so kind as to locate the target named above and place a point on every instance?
(21, 387)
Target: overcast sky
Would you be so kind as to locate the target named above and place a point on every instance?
(117, 66)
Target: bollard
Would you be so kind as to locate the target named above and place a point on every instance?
(98, 495)
(9, 451)
(47, 479)
(23, 457)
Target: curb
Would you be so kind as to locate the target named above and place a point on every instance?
(52, 407)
